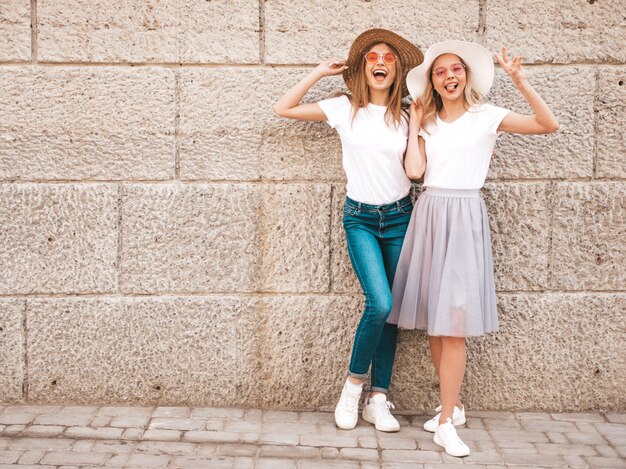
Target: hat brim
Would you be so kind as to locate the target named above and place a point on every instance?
(475, 56)
(410, 55)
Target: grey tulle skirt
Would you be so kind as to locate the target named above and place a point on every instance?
(444, 280)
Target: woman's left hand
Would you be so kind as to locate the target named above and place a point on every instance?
(512, 67)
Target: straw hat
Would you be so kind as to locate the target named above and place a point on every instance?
(410, 55)
(475, 56)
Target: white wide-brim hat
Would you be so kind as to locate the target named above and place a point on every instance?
(476, 57)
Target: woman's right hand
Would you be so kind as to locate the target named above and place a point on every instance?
(329, 68)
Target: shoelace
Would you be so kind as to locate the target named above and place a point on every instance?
(385, 408)
(451, 434)
(348, 401)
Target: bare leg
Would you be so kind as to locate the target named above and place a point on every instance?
(452, 369)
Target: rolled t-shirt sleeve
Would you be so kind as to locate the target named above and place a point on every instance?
(337, 110)
(493, 117)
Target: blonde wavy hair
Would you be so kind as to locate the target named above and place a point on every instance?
(361, 97)
(432, 101)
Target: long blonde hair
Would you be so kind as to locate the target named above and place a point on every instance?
(360, 93)
(432, 101)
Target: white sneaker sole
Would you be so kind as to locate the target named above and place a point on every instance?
(381, 428)
(458, 454)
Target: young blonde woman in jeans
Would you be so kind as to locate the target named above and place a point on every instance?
(373, 129)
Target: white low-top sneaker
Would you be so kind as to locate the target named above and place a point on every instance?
(447, 437)
(347, 410)
(458, 418)
(377, 411)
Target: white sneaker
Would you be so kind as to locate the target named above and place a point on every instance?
(447, 437)
(458, 418)
(376, 411)
(347, 410)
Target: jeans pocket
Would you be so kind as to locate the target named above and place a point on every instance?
(349, 210)
(408, 208)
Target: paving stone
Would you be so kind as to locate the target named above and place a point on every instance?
(211, 437)
(359, 454)
(605, 463)
(217, 412)
(63, 420)
(483, 458)
(163, 447)
(147, 460)
(325, 440)
(575, 449)
(556, 437)
(31, 457)
(393, 442)
(502, 424)
(316, 417)
(233, 449)
(125, 422)
(533, 415)
(330, 453)
(330, 464)
(606, 451)
(372, 442)
(135, 433)
(176, 424)
(177, 412)
(48, 444)
(94, 433)
(74, 458)
(114, 446)
(537, 460)
(9, 457)
(616, 418)
(293, 452)
(241, 426)
(162, 435)
(578, 417)
(101, 421)
(518, 436)
(575, 461)
(281, 464)
(13, 430)
(125, 411)
(586, 438)
(270, 439)
(16, 419)
(280, 416)
(43, 430)
(400, 455)
(286, 428)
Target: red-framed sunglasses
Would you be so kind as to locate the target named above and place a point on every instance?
(388, 57)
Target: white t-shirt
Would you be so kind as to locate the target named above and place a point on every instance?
(458, 154)
(373, 152)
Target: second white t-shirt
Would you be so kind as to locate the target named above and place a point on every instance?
(458, 153)
(373, 152)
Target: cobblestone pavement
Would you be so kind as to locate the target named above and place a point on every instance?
(67, 437)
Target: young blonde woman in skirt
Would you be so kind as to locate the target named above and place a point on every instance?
(373, 129)
(444, 281)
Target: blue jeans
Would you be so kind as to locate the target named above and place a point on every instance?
(375, 234)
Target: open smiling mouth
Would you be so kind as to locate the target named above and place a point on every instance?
(451, 87)
(379, 75)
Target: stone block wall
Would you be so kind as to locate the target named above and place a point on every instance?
(164, 238)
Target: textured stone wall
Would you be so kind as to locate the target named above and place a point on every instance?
(165, 239)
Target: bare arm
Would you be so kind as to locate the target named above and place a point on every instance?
(415, 157)
(289, 105)
(543, 121)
